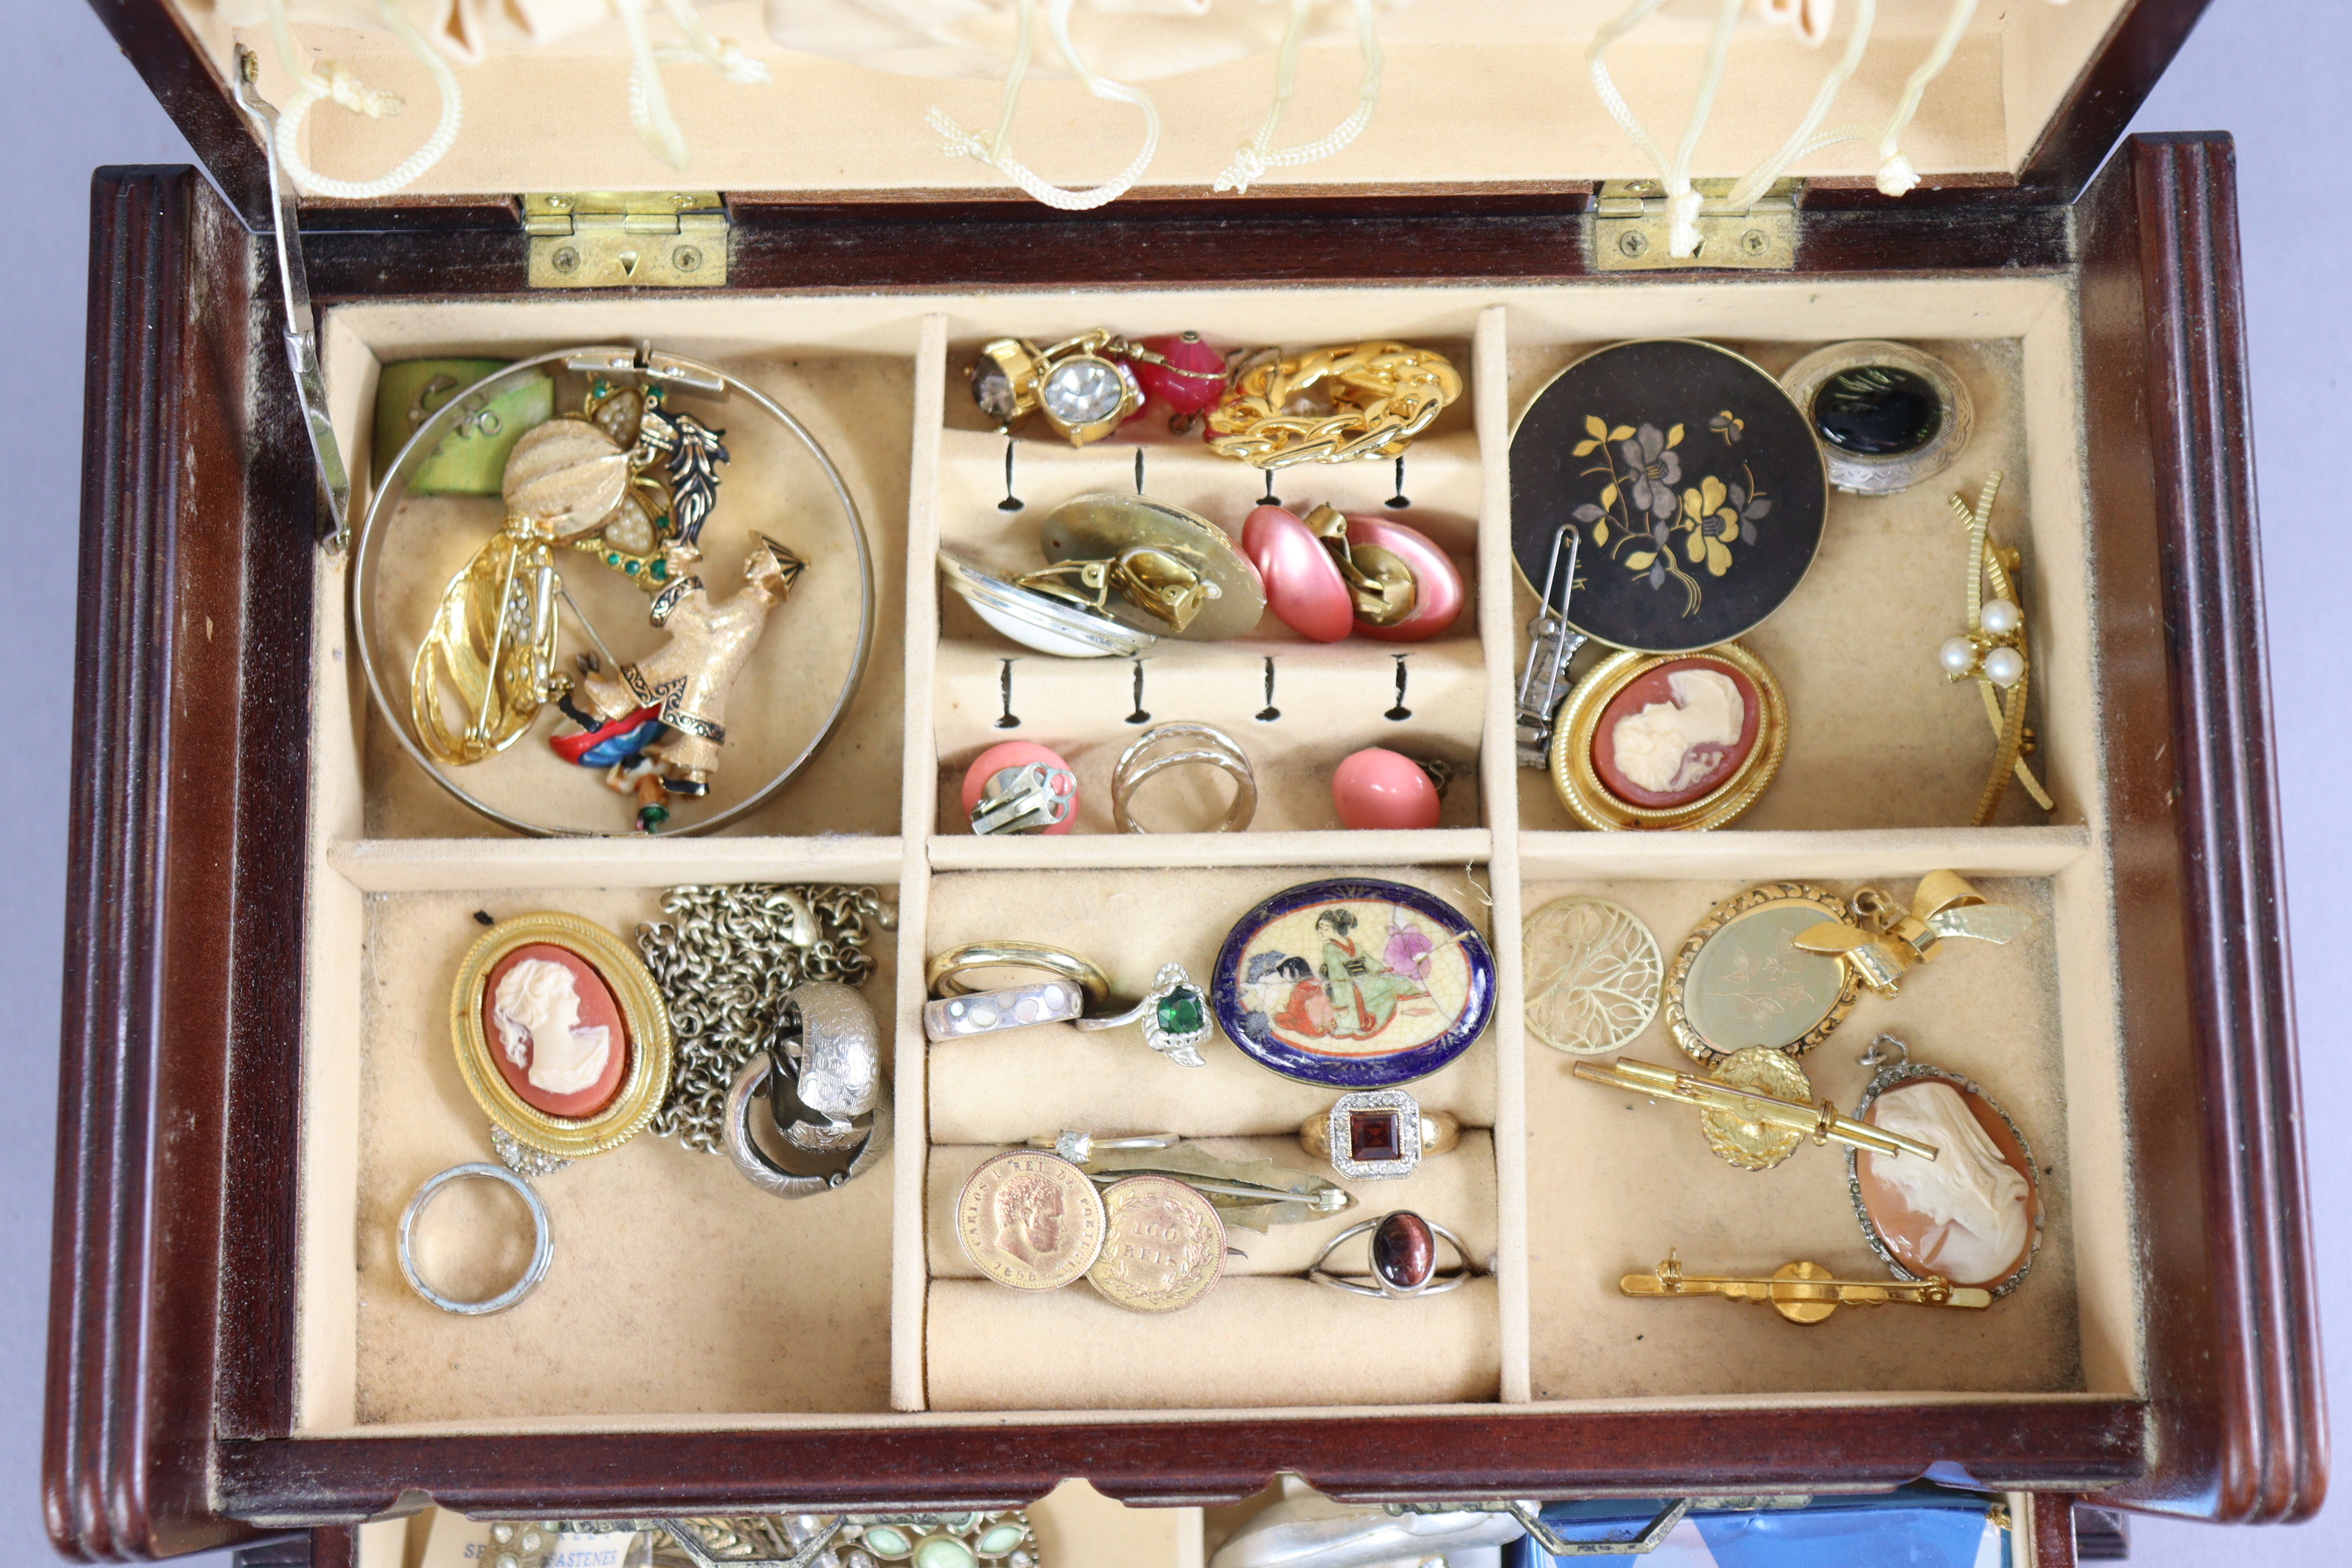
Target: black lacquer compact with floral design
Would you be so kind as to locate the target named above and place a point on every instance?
(1667, 497)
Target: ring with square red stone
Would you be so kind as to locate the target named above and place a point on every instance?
(1403, 1258)
(1374, 1134)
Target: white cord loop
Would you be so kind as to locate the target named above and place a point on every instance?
(1253, 158)
(1895, 175)
(1682, 203)
(998, 154)
(648, 98)
(722, 55)
(1758, 180)
(335, 80)
(1810, 21)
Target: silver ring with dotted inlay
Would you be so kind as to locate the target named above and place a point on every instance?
(994, 1012)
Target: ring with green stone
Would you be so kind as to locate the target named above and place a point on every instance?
(1174, 1015)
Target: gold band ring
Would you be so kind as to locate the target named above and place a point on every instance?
(941, 978)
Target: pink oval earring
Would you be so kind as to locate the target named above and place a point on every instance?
(1380, 788)
(1303, 585)
(1438, 594)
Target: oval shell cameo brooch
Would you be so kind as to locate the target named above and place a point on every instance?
(1354, 983)
(1970, 1216)
(561, 1034)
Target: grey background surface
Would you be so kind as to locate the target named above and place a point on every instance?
(2271, 71)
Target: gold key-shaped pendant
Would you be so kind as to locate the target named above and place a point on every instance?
(1803, 1292)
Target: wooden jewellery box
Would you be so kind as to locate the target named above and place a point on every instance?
(270, 901)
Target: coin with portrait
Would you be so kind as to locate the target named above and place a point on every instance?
(1031, 1221)
(1163, 1245)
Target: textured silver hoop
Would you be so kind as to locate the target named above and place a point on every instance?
(752, 1163)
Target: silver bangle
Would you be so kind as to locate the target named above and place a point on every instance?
(642, 368)
(1078, 1148)
(1223, 752)
(1408, 1269)
(542, 1250)
(1174, 1015)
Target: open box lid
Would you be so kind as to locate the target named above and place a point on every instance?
(1491, 98)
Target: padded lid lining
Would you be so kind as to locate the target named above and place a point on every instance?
(1492, 96)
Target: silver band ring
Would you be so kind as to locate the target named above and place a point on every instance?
(752, 1163)
(1078, 1148)
(1409, 1270)
(543, 1249)
(1223, 752)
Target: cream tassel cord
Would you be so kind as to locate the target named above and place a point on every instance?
(1810, 19)
(997, 152)
(334, 81)
(649, 108)
(1251, 162)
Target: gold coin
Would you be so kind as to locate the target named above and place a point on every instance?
(1032, 1221)
(1164, 1246)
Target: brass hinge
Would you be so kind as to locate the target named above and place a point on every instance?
(1629, 228)
(626, 240)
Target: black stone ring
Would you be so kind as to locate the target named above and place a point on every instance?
(1403, 1258)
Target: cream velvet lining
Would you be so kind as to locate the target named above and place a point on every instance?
(681, 1298)
(1501, 100)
